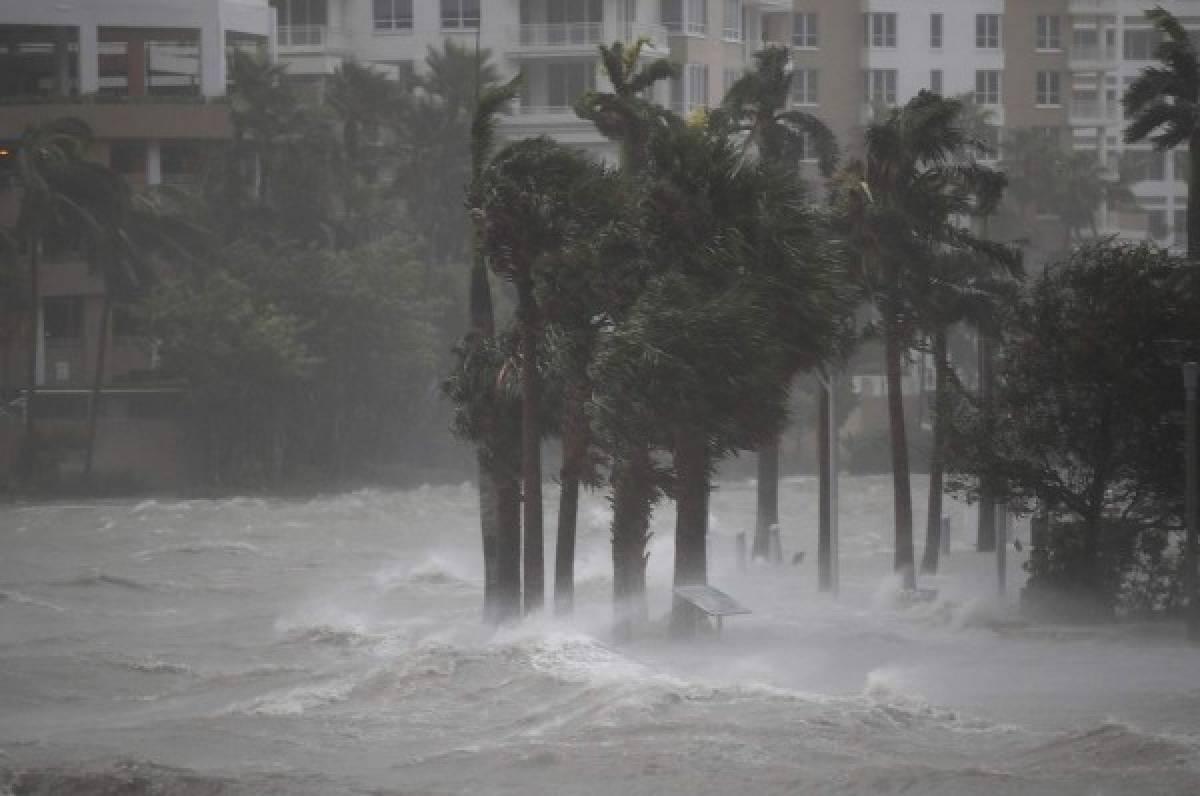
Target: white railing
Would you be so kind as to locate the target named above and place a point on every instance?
(561, 34)
(584, 34)
(544, 110)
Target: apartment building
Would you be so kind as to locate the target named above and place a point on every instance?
(551, 42)
(148, 77)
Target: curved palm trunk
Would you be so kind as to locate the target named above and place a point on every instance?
(901, 487)
(767, 513)
(97, 384)
(531, 452)
(933, 524)
(488, 475)
(825, 495)
(508, 547)
(691, 527)
(632, 498)
(575, 442)
(29, 447)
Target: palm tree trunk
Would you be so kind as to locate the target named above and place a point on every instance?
(483, 327)
(508, 546)
(933, 524)
(768, 498)
(901, 488)
(97, 383)
(691, 527)
(1193, 207)
(575, 441)
(825, 495)
(488, 525)
(29, 447)
(632, 497)
(985, 537)
(531, 452)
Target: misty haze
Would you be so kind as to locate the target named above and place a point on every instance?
(599, 397)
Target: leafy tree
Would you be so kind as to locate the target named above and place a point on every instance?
(1088, 411)
(1163, 104)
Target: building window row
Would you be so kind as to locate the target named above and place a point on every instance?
(733, 20)
(397, 15)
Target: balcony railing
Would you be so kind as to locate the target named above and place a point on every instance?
(561, 34)
(524, 109)
(309, 38)
(1094, 109)
(566, 35)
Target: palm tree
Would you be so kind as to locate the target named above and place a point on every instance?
(45, 154)
(499, 489)
(628, 117)
(899, 206)
(756, 109)
(1163, 104)
(625, 115)
(529, 200)
(361, 98)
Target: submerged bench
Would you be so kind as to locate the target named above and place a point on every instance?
(712, 602)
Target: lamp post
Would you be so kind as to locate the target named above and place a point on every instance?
(1191, 371)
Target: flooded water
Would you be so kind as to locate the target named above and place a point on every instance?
(333, 646)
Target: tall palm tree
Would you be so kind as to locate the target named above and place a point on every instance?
(529, 200)
(362, 98)
(756, 108)
(1163, 105)
(499, 489)
(45, 155)
(900, 205)
(628, 116)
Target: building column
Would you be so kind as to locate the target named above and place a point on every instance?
(212, 61)
(153, 163)
(89, 60)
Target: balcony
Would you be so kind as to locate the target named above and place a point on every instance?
(1093, 6)
(1094, 112)
(311, 39)
(559, 38)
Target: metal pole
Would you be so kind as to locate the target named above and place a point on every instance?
(833, 484)
(1001, 525)
(1191, 371)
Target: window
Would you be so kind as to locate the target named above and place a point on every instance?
(804, 86)
(733, 20)
(1180, 224)
(935, 31)
(935, 81)
(301, 13)
(805, 32)
(62, 320)
(392, 15)
(987, 31)
(566, 80)
(1048, 92)
(1182, 164)
(987, 87)
(1049, 32)
(460, 14)
(690, 90)
(879, 29)
(1156, 224)
(685, 16)
(1140, 44)
(808, 150)
(880, 86)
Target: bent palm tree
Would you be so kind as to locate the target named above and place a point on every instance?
(756, 107)
(1163, 104)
